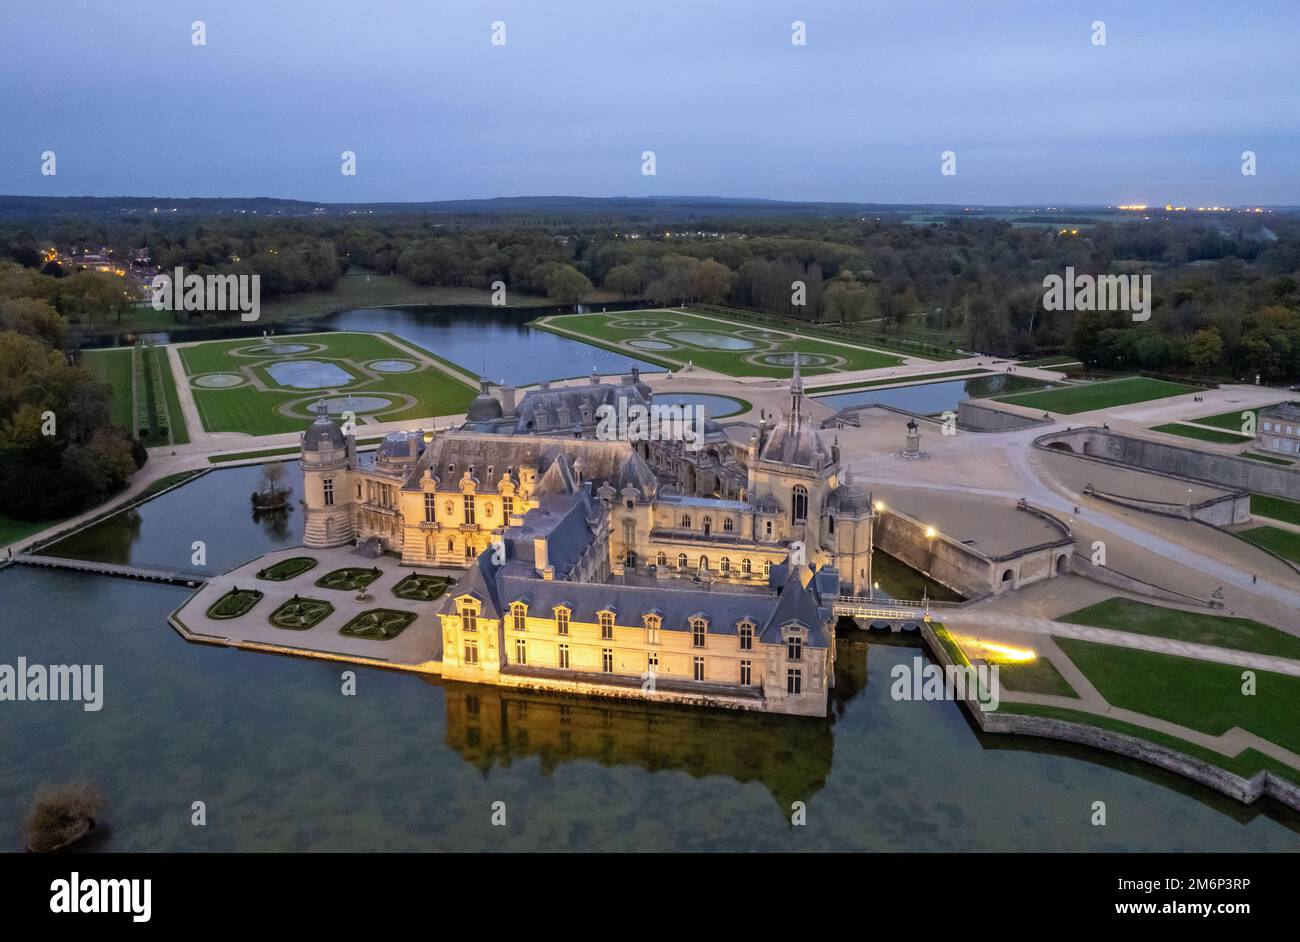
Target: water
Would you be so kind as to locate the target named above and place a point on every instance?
(392, 366)
(715, 407)
(933, 398)
(285, 762)
(214, 509)
(494, 342)
(702, 338)
(308, 374)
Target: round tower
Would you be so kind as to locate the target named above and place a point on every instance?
(327, 482)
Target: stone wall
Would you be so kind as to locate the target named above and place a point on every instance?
(1228, 471)
(1222, 511)
(977, 418)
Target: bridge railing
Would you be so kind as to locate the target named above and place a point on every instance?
(869, 602)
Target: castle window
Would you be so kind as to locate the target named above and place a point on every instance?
(489, 474)
(704, 564)
(728, 524)
(794, 648)
(652, 624)
(769, 529)
(830, 523)
(699, 628)
(430, 508)
(520, 614)
(662, 560)
(469, 508)
(521, 651)
(562, 621)
(746, 636)
(686, 521)
(681, 561)
(327, 486)
(794, 681)
(468, 619)
(564, 657)
(471, 651)
(607, 625)
(652, 662)
(767, 568)
(607, 660)
(708, 525)
(507, 505)
(699, 668)
(799, 504)
(746, 566)
(724, 565)
(746, 676)
(358, 490)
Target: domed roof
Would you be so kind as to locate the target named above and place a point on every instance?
(485, 407)
(849, 498)
(323, 434)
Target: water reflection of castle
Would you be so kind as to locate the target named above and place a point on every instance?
(494, 726)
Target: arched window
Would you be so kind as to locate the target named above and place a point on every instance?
(699, 627)
(769, 529)
(746, 566)
(724, 564)
(681, 560)
(520, 613)
(799, 504)
(662, 560)
(652, 623)
(728, 524)
(451, 545)
(767, 568)
(562, 621)
(830, 523)
(708, 525)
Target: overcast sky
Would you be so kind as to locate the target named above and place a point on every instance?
(1033, 110)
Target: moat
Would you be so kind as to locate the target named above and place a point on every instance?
(284, 761)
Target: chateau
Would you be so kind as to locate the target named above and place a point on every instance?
(612, 566)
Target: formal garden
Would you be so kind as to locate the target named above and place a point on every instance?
(234, 603)
(287, 568)
(299, 614)
(418, 587)
(378, 624)
(348, 579)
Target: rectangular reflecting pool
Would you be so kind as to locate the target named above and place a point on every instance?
(933, 398)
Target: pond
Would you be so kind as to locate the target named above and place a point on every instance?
(308, 374)
(715, 407)
(933, 398)
(488, 341)
(712, 341)
(285, 762)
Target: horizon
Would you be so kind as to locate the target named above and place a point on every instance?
(435, 112)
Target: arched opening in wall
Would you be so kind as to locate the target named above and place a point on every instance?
(1062, 565)
(1061, 446)
(1008, 575)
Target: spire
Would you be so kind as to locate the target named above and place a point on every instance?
(796, 394)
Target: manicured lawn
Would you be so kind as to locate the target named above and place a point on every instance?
(114, 368)
(1286, 543)
(1229, 420)
(421, 588)
(1201, 434)
(246, 408)
(1267, 459)
(378, 624)
(1200, 695)
(171, 400)
(288, 568)
(1221, 631)
(1037, 676)
(1287, 511)
(1245, 764)
(1100, 395)
(658, 325)
(12, 530)
(299, 614)
(234, 603)
(348, 579)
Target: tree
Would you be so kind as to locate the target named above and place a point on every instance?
(567, 285)
(624, 279)
(712, 281)
(1205, 349)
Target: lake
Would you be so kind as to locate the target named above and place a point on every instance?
(933, 398)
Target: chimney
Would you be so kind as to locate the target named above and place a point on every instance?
(540, 560)
(507, 396)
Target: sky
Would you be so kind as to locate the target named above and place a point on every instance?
(1033, 110)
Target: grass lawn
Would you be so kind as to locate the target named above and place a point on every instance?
(1221, 631)
(1202, 434)
(1100, 395)
(1286, 543)
(1245, 764)
(604, 328)
(1037, 676)
(171, 399)
(1200, 695)
(11, 530)
(1267, 459)
(114, 368)
(1229, 420)
(246, 408)
(1287, 511)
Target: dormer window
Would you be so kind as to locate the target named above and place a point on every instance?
(519, 613)
(606, 626)
(468, 617)
(562, 621)
(746, 631)
(699, 628)
(652, 625)
(794, 648)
